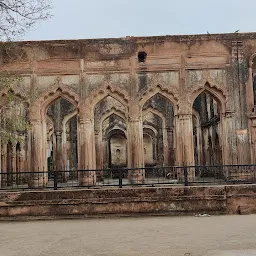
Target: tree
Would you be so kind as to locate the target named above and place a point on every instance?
(16, 17)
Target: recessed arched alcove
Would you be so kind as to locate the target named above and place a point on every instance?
(158, 115)
(110, 116)
(61, 134)
(207, 127)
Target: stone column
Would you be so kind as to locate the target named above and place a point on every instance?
(135, 150)
(65, 150)
(99, 150)
(185, 146)
(37, 180)
(4, 164)
(251, 114)
(99, 155)
(105, 153)
(45, 150)
(59, 152)
(59, 157)
(169, 147)
(1, 161)
(249, 91)
(87, 152)
(19, 163)
(228, 137)
(14, 167)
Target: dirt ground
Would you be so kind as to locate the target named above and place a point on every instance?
(151, 236)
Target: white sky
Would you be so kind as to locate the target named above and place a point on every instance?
(74, 19)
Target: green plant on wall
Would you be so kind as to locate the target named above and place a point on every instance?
(16, 17)
(13, 115)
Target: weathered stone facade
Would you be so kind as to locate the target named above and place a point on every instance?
(134, 101)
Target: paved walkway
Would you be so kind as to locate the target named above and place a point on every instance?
(151, 236)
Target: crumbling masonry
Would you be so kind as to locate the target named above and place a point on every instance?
(132, 102)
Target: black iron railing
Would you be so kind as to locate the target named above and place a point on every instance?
(120, 177)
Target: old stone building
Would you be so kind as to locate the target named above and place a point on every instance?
(131, 102)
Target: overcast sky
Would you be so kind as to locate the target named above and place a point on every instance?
(78, 19)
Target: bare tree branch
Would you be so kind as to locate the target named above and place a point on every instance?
(17, 16)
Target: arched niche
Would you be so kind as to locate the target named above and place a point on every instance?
(61, 126)
(215, 92)
(109, 114)
(117, 153)
(114, 141)
(103, 109)
(158, 92)
(149, 147)
(158, 113)
(98, 95)
(39, 108)
(207, 127)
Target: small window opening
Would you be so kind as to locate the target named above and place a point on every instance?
(142, 56)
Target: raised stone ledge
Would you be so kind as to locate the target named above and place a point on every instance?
(130, 201)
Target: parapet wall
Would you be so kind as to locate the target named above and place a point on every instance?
(130, 201)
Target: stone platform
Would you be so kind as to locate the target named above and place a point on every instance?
(175, 200)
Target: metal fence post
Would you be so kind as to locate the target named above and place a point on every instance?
(55, 180)
(120, 178)
(185, 176)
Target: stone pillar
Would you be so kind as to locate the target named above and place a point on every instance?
(37, 180)
(136, 150)
(228, 137)
(4, 164)
(59, 157)
(59, 152)
(45, 150)
(87, 153)
(14, 167)
(251, 114)
(19, 163)
(65, 150)
(249, 91)
(1, 161)
(99, 156)
(169, 147)
(185, 146)
(99, 150)
(105, 153)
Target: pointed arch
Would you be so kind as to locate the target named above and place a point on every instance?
(216, 93)
(39, 107)
(252, 59)
(149, 127)
(49, 121)
(7, 89)
(158, 90)
(4, 93)
(105, 91)
(197, 116)
(113, 111)
(68, 117)
(208, 105)
(156, 112)
(116, 130)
